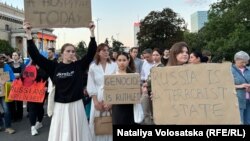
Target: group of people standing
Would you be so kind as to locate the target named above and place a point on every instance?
(69, 121)
(13, 110)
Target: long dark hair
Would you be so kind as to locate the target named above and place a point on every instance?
(198, 54)
(131, 64)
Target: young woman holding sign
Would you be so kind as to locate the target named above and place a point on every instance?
(31, 74)
(123, 114)
(179, 55)
(69, 122)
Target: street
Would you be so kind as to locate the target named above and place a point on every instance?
(23, 132)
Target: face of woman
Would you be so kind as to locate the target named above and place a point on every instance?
(15, 56)
(69, 54)
(182, 57)
(193, 59)
(240, 63)
(104, 53)
(166, 53)
(156, 57)
(122, 62)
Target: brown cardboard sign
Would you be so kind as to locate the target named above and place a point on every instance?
(58, 13)
(195, 94)
(122, 89)
(4, 76)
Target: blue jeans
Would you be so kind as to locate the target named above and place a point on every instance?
(7, 116)
(245, 114)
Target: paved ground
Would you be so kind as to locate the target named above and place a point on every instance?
(23, 131)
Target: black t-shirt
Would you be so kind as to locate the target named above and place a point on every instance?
(16, 69)
(68, 78)
(164, 61)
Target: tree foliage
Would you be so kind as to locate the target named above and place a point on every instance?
(81, 49)
(227, 30)
(161, 29)
(5, 47)
(195, 41)
(117, 45)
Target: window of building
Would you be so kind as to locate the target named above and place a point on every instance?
(7, 27)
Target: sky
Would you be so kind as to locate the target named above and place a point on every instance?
(116, 18)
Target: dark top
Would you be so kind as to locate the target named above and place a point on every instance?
(41, 75)
(164, 61)
(55, 60)
(18, 69)
(123, 114)
(68, 78)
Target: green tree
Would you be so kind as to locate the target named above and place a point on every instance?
(161, 29)
(117, 45)
(196, 41)
(5, 47)
(81, 49)
(228, 28)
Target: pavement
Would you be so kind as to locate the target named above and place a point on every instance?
(23, 132)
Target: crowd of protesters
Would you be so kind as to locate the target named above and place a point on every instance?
(79, 85)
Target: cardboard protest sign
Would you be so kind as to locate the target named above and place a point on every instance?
(7, 87)
(1, 90)
(194, 94)
(58, 13)
(122, 89)
(4, 76)
(33, 93)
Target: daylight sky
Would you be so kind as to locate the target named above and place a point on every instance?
(116, 17)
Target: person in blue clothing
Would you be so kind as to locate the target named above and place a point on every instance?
(5, 119)
(241, 74)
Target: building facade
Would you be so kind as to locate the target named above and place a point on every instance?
(11, 23)
(136, 30)
(198, 20)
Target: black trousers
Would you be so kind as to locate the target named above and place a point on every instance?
(36, 112)
(16, 110)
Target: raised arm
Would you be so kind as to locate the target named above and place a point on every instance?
(88, 58)
(47, 65)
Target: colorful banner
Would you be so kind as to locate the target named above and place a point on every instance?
(33, 93)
